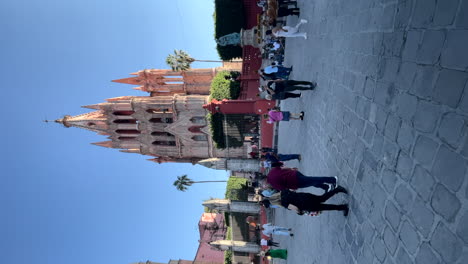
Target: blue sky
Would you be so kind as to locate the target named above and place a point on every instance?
(62, 199)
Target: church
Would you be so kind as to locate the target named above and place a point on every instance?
(170, 124)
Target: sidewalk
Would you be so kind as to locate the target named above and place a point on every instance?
(389, 118)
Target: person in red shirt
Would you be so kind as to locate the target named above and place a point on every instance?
(286, 178)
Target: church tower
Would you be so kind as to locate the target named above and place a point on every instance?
(168, 82)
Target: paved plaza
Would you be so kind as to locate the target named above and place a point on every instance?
(390, 118)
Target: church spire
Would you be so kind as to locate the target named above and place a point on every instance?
(94, 121)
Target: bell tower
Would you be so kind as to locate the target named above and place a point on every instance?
(168, 82)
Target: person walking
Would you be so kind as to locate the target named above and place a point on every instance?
(302, 202)
(277, 86)
(277, 253)
(286, 11)
(276, 115)
(282, 96)
(273, 157)
(269, 229)
(286, 178)
(276, 71)
(287, 31)
(268, 243)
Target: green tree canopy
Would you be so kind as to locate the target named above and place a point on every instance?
(228, 18)
(183, 182)
(225, 85)
(182, 61)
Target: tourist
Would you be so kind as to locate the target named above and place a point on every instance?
(269, 229)
(276, 71)
(267, 204)
(287, 2)
(268, 192)
(273, 157)
(268, 243)
(267, 77)
(277, 253)
(252, 221)
(287, 31)
(286, 178)
(307, 203)
(286, 11)
(282, 96)
(276, 115)
(278, 86)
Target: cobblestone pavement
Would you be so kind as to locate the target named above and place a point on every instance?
(390, 118)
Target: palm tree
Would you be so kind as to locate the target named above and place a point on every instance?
(183, 182)
(181, 60)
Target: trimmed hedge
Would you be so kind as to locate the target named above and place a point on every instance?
(224, 85)
(228, 18)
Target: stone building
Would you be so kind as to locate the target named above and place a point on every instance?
(212, 227)
(169, 125)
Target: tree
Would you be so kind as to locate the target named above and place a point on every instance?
(183, 182)
(181, 60)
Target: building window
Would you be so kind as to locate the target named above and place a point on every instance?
(198, 120)
(91, 124)
(125, 121)
(159, 110)
(161, 120)
(195, 129)
(164, 143)
(200, 138)
(159, 133)
(124, 113)
(127, 131)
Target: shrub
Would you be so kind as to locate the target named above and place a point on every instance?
(228, 257)
(228, 18)
(236, 189)
(225, 85)
(228, 253)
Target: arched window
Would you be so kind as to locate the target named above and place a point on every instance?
(198, 120)
(127, 131)
(161, 120)
(200, 138)
(125, 121)
(164, 143)
(159, 110)
(195, 129)
(160, 133)
(124, 113)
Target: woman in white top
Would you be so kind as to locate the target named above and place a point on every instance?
(288, 32)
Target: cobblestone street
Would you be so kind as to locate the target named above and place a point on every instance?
(390, 118)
